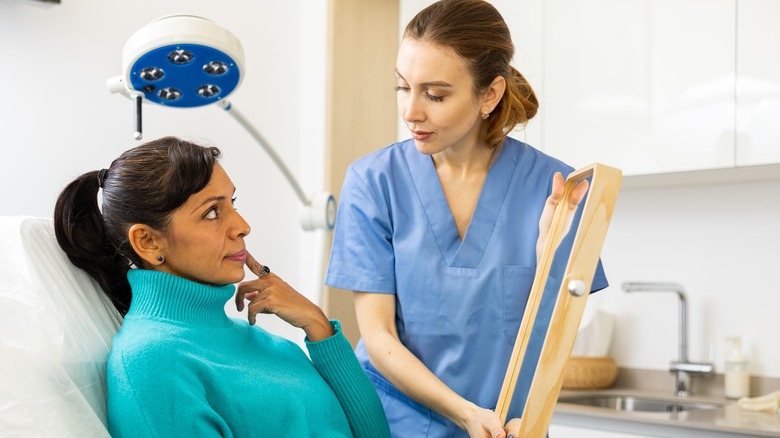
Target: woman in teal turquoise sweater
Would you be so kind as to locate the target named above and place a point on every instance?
(167, 248)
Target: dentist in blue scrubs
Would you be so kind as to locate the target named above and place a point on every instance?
(439, 235)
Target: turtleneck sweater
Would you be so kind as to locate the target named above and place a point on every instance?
(179, 366)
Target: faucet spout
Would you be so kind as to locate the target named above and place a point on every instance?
(682, 367)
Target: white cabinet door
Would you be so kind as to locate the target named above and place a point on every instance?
(561, 431)
(643, 85)
(758, 82)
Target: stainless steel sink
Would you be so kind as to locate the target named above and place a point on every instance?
(636, 404)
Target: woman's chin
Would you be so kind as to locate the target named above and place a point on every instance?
(229, 278)
(237, 277)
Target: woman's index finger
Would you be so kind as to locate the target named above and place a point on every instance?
(253, 264)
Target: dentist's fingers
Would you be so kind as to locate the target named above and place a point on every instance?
(557, 190)
(484, 423)
(550, 206)
(552, 201)
(575, 197)
(558, 187)
(513, 428)
(577, 194)
(548, 212)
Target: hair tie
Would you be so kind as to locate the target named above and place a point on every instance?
(101, 177)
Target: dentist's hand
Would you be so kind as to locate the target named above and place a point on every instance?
(512, 428)
(556, 196)
(270, 294)
(487, 424)
(483, 423)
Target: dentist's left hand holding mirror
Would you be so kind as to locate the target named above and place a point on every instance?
(270, 294)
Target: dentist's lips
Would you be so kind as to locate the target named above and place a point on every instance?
(238, 257)
(421, 135)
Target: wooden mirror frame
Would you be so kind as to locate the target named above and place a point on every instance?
(569, 304)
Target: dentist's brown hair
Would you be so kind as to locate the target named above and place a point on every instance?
(478, 34)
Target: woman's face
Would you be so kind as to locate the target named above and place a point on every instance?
(436, 97)
(205, 241)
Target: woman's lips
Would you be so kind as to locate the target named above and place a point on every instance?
(421, 135)
(238, 257)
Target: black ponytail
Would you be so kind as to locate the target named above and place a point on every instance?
(81, 233)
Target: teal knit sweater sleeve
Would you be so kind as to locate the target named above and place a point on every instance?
(335, 360)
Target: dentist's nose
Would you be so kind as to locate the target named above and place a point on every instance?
(413, 111)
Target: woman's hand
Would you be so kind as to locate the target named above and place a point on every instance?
(270, 294)
(545, 221)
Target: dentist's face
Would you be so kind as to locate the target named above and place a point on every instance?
(436, 97)
(205, 241)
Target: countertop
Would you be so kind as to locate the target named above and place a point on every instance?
(726, 421)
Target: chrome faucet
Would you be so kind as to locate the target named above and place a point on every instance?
(682, 366)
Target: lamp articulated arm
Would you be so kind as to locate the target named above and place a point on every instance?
(317, 212)
(233, 111)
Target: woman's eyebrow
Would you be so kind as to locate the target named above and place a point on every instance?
(440, 84)
(213, 198)
(209, 200)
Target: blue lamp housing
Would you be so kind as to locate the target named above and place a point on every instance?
(180, 61)
(184, 75)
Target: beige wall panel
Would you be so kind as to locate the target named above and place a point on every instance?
(363, 41)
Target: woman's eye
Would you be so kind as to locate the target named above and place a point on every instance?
(233, 203)
(433, 98)
(211, 214)
(401, 88)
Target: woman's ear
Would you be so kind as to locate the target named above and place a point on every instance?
(148, 243)
(493, 94)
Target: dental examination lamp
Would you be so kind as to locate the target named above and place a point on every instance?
(185, 61)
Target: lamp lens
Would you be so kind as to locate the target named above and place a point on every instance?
(180, 56)
(169, 94)
(215, 68)
(152, 74)
(208, 90)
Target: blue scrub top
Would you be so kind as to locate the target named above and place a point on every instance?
(458, 303)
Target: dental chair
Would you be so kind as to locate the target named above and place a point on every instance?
(56, 327)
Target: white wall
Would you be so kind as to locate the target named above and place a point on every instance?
(719, 241)
(58, 120)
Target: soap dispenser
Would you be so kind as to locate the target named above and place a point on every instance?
(736, 378)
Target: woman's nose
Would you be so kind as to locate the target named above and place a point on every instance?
(240, 226)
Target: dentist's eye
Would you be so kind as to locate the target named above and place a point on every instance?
(433, 98)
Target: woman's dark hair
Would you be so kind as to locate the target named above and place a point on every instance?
(145, 185)
(479, 35)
